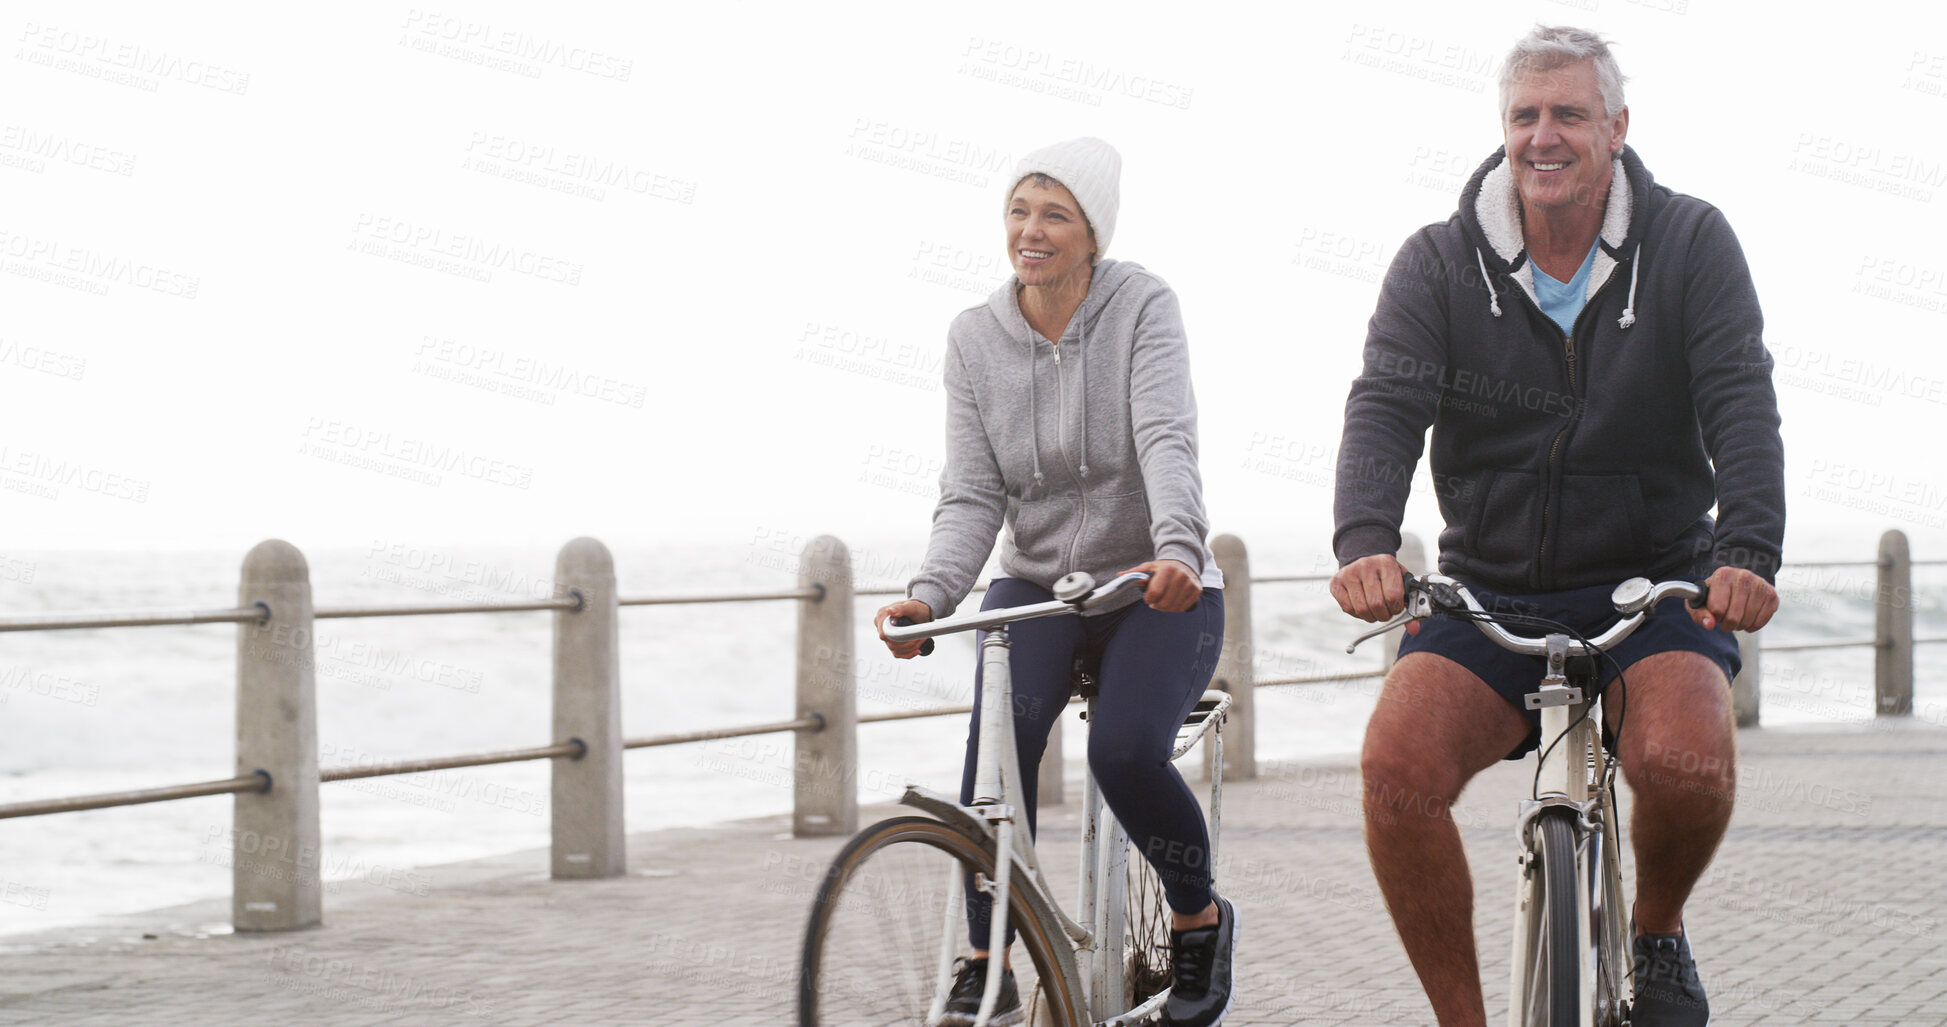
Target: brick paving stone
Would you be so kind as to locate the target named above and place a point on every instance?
(1823, 906)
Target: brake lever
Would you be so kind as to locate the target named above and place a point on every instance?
(1418, 606)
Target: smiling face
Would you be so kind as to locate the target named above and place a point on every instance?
(1048, 240)
(1559, 142)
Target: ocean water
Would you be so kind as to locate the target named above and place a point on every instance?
(104, 710)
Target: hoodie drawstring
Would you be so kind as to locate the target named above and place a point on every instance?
(1034, 418)
(1493, 302)
(1629, 309)
(1081, 371)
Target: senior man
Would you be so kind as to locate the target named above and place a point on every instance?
(1586, 346)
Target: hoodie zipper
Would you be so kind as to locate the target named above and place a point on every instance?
(1061, 414)
(1539, 578)
(1061, 424)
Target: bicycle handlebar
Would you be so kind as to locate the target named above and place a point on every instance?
(1439, 594)
(1074, 593)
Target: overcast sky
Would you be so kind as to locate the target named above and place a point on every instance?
(659, 272)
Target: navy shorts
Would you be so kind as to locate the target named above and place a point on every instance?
(1513, 676)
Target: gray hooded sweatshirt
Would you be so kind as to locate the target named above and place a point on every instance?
(1086, 452)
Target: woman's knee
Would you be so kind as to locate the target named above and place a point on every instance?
(1114, 763)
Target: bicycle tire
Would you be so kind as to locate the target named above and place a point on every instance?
(1552, 995)
(871, 945)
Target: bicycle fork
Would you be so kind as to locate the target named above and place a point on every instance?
(1560, 705)
(996, 773)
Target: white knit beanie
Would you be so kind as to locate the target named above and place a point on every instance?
(1092, 170)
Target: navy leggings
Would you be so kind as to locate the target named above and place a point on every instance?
(1154, 668)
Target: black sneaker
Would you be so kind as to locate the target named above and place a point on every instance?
(969, 983)
(1200, 995)
(1668, 992)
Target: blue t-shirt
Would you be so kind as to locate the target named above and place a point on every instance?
(1561, 301)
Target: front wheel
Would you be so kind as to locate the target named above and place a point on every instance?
(1549, 987)
(888, 906)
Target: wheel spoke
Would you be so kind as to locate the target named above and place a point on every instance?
(1146, 940)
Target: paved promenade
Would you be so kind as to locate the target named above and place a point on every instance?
(1827, 905)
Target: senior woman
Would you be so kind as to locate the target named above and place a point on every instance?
(1071, 433)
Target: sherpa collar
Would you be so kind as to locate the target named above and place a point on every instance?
(1497, 209)
(1490, 213)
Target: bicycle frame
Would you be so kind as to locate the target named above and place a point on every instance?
(1094, 967)
(1571, 742)
(1569, 731)
(996, 784)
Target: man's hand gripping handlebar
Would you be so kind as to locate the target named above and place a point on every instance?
(1423, 599)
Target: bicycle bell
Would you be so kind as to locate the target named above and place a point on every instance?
(1074, 586)
(1631, 596)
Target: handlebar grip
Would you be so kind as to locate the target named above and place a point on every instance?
(1703, 597)
(926, 646)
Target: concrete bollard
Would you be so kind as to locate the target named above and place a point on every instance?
(1412, 555)
(586, 793)
(1236, 669)
(275, 842)
(1744, 691)
(1893, 628)
(825, 798)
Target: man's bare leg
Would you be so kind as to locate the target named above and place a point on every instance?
(1679, 753)
(1436, 726)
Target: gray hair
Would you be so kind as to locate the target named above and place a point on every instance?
(1553, 46)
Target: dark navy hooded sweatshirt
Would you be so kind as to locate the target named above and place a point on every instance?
(1569, 460)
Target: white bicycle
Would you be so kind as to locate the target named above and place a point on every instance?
(1571, 965)
(889, 917)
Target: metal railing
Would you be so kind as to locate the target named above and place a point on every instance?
(277, 774)
(131, 619)
(258, 782)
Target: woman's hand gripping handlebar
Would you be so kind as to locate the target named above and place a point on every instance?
(900, 614)
(1074, 593)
